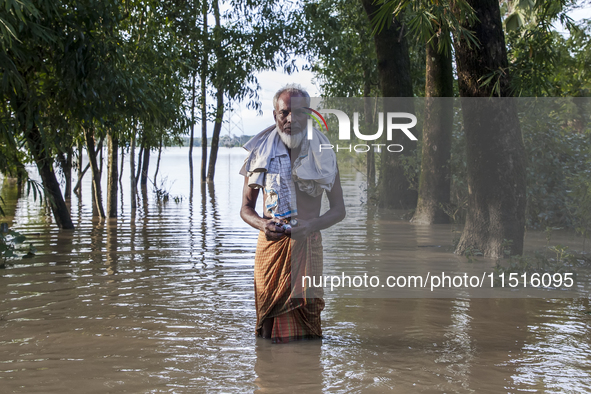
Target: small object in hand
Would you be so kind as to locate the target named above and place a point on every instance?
(284, 226)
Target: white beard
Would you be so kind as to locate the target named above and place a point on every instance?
(293, 140)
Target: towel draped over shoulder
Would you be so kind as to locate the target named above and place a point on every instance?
(269, 166)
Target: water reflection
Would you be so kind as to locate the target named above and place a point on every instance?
(288, 368)
(161, 300)
(111, 253)
(203, 229)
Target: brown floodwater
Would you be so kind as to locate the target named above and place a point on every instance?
(161, 301)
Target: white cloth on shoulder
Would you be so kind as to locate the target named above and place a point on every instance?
(315, 170)
(268, 166)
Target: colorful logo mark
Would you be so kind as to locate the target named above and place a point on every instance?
(316, 118)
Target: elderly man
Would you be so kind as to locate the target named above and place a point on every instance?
(293, 174)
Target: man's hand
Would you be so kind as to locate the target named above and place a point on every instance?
(303, 229)
(274, 230)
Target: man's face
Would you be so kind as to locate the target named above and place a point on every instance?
(288, 123)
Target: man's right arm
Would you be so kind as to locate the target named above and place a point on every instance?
(249, 215)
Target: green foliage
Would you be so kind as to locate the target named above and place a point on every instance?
(429, 18)
(559, 159)
(533, 47)
(471, 253)
(542, 61)
(542, 13)
(11, 242)
(573, 71)
(92, 67)
(340, 48)
(84, 65)
(558, 164)
(580, 195)
(556, 259)
(411, 166)
(560, 263)
(162, 193)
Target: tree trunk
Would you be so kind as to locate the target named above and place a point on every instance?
(50, 184)
(203, 98)
(215, 139)
(191, 138)
(140, 157)
(93, 194)
(495, 220)
(68, 174)
(78, 187)
(96, 174)
(122, 165)
(395, 81)
(101, 161)
(69, 159)
(219, 113)
(112, 175)
(435, 180)
(369, 121)
(158, 161)
(132, 177)
(145, 165)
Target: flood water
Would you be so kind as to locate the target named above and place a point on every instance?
(162, 301)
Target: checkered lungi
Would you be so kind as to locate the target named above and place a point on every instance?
(294, 317)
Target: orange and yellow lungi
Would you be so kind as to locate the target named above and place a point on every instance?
(294, 316)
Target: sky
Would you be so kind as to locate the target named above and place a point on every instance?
(271, 81)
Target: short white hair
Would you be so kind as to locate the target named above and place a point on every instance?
(291, 88)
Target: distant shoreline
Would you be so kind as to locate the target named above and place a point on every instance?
(225, 141)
